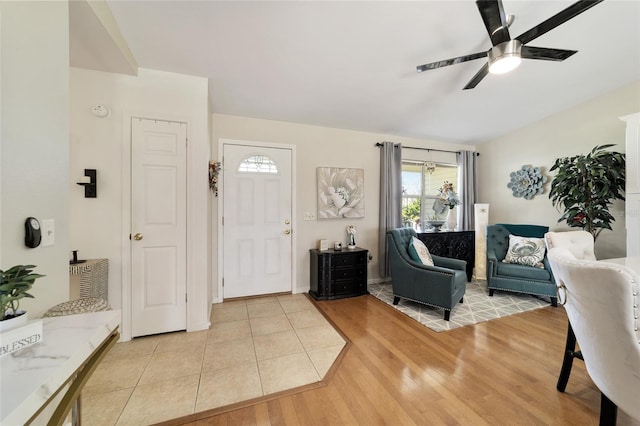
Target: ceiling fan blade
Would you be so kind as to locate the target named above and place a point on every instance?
(530, 52)
(494, 20)
(452, 61)
(557, 19)
(478, 77)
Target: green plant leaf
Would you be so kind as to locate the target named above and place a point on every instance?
(15, 284)
(584, 186)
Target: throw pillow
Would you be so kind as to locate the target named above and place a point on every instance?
(419, 252)
(525, 251)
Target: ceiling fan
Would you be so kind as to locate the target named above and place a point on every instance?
(506, 53)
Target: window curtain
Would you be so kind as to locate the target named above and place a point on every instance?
(390, 199)
(468, 189)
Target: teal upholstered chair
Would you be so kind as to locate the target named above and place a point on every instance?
(514, 277)
(442, 285)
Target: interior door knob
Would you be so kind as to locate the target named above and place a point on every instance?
(287, 232)
(137, 237)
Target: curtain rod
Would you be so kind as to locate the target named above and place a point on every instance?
(427, 149)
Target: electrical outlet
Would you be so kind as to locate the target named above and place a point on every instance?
(309, 216)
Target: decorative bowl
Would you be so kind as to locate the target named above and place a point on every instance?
(434, 224)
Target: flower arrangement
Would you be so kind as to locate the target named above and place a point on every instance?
(447, 197)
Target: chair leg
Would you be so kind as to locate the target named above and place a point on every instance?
(569, 354)
(491, 292)
(554, 302)
(447, 314)
(608, 411)
(396, 299)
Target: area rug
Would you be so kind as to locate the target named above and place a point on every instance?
(477, 306)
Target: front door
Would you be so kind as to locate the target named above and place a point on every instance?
(158, 226)
(256, 220)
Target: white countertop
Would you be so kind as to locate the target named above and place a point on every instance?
(30, 376)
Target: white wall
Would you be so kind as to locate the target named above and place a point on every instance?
(35, 146)
(572, 132)
(99, 225)
(320, 147)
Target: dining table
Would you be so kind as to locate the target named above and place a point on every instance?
(54, 370)
(631, 262)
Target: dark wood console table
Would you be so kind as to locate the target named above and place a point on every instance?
(338, 274)
(455, 244)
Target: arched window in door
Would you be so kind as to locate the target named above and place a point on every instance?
(257, 163)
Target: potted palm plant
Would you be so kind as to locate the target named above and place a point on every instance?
(586, 185)
(15, 284)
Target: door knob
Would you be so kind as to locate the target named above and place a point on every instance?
(137, 237)
(287, 221)
(287, 232)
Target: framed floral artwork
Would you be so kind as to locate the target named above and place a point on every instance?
(340, 193)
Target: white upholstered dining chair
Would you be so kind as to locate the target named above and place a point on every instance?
(601, 300)
(581, 245)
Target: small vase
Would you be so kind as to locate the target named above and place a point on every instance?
(452, 219)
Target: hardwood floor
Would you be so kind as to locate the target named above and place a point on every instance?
(395, 371)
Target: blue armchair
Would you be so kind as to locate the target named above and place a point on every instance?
(442, 285)
(514, 277)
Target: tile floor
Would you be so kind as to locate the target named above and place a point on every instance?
(254, 347)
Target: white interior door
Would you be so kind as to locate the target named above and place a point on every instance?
(256, 220)
(158, 226)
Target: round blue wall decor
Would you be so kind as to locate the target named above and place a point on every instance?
(527, 182)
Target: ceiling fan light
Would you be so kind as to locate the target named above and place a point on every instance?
(505, 57)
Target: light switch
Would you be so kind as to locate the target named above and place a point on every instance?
(309, 216)
(48, 232)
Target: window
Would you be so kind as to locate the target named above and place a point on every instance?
(420, 184)
(258, 164)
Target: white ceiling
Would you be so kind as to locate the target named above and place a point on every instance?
(352, 65)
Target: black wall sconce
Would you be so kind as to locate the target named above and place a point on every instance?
(90, 183)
